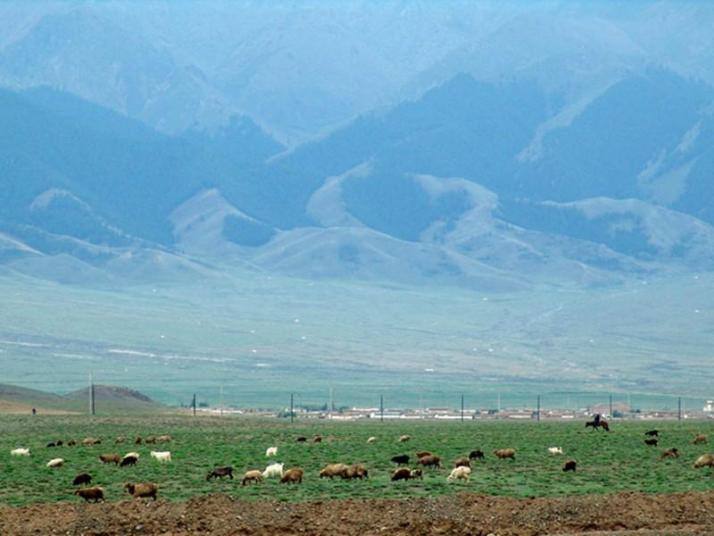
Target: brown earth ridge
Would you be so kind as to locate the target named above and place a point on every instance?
(463, 514)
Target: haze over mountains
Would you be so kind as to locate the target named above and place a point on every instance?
(499, 146)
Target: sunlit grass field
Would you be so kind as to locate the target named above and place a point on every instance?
(607, 463)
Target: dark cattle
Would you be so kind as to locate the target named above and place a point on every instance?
(652, 442)
(220, 472)
(476, 455)
(82, 479)
(570, 465)
(652, 433)
(401, 459)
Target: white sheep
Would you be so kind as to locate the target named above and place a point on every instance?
(371, 439)
(55, 462)
(161, 456)
(20, 452)
(555, 450)
(273, 470)
(271, 451)
(462, 472)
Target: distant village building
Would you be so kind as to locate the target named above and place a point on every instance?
(709, 407)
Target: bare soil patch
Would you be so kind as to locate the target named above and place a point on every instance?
(463, 514)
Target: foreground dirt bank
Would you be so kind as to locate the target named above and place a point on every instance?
(472, 514)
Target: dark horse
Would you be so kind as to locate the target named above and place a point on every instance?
(598, 422)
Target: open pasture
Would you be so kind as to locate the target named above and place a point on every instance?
(607, 463)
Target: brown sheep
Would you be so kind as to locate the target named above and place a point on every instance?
(220, 472)
(144, 489)
(150, 439)
(430, 461)
(95, 494)
(164, 439)
(355, 471)
(462, 462)
(292, 476)
(701, 439)
(406, 474)
(333, 470)
(404, 438)
(505, 453)
(110, 458)
(252, 476)
(570, 465)
(423, 453)
(317, 439)
(704, 460)
(82, 479)
(91, 441)
(669, 453)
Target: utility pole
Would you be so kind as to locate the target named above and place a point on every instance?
(221, 406)
(611, 405)
(498, 403)
(679, 408)
(332, 403)
(91, 394)
(538, 410)
(292, 406)
(193, 404)
(462, 407)
(381, 408)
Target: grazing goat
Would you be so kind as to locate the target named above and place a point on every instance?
(704, 460)
(252, 476)
(110, 458)
(430, 461)
(82, 479)
(404, 438)
(505, 453)
(161, 456)
(462, 462)
(700, 439)
(476, 455)
(401, 459)
(355, 471)
(20, 452)
(292, 476)
(55, 463)
(273, 470)
(570, 465)
(670, 453)
(271, 451)
(406, 474)
(95, 494)
(652, 441)
(459, 473)
(555, 450)
(333, 470)
(652, 433)
(144, 489)
(220, 472)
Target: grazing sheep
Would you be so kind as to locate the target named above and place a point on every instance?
(401, 459)
(71, 443)
(271, 451)
(476, 455)
(430, 461)
(459, 473)
(55, 463)
(652, 442)
(161, 456)
(669, 453)
(82, 479)
(144, 489)
(273, 470)
(251, 476)
(553, 451)
(423, 453)
(333, 470)
(138, 440)
(570, 465)
(164, 439)
(704, 460)
(20, 452)
(151, 439)
(701, 439)
(119, 439)
(652, 433)
(406, 474)
(355, 471)
(220, 472)
(95, 494)
(91, 441)
(462, 462)
(110, 458)
(317, 439)
(292, 476)
(404, 438)
(301, 439)
(129, 459)
(505, 453)
(54, 444)
(371, 439)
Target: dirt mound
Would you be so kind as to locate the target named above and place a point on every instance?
(472, 514)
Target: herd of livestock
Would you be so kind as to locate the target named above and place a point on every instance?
(424, 460)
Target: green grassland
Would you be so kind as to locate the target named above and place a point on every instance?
(607, 463)
(262, 337)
